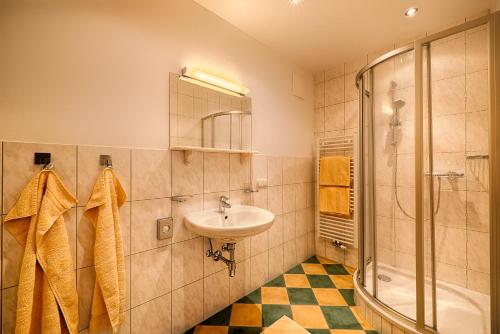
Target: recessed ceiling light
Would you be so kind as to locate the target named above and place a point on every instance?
(295, 2)
(410, 12)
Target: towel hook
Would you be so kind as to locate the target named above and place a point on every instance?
(106, 161)
(43, 159)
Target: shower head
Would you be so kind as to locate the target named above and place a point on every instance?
(398, 104)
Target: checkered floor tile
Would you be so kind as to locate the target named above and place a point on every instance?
(318, 294)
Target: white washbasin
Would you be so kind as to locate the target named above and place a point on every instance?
(235, 223)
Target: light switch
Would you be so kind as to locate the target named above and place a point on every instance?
(165, 228)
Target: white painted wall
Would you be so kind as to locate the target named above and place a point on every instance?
(96, 72)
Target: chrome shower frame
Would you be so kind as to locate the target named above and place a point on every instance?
(365, 191)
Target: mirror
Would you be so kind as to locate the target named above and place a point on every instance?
(202, 117)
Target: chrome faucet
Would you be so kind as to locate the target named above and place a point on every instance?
(223, 204)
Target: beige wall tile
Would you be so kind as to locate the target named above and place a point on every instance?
(144, 216)
(275, 170)
(240, 284)
(289, 198)
(187, 310)
(477, 131)
(18, 167)
(476, 50)
(260, 269)
(450, 246)
(240, 197)
(187, 262)
(276, 261)
(478, 254)
(289, 254)
(259, 243)
(334, 72)
(260, 198)
(448, 96)
(351, 114)
(478, 281)
(452, 209)
(301, 248)
(275, 233)
(334, 91)
(334, 117)
(239, 175)
(215, 293)
(179, 209)
(215, 172)
(477, 91)
(153, 317)
(150, 275)
(448, 58)
(404, 232)
(211, 201)
(300, 222)
(319, 95)
(289, 170)
(319, 120)
(404, 70)
(89, 169)
(289, 226)
(451, 274)
(453, 162)
(351, 91)
(334, 253)
(243, 250)
(478, 211)
(300, 196)
(150, 174)
(383, 77)
(477, 174)
(449, 133)
(187, 179)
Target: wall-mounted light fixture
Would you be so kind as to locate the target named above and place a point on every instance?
(211, 81)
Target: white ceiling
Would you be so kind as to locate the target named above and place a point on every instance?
(317, 34)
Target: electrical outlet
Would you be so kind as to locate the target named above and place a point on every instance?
(165, 228)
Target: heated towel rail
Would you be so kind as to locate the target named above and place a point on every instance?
(340, 230)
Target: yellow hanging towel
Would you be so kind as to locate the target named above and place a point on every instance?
(47, 300)
(108, 304)
(334, 200)
(335, 171)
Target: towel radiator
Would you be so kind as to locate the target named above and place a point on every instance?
(340, 230)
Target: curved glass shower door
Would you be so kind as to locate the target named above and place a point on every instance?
(430, 152)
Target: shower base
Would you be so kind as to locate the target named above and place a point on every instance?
(459, 310)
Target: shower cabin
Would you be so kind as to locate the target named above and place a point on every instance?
(425, 152)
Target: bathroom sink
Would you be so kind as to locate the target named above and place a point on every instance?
(234, 224)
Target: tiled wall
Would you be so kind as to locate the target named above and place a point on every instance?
(171, 285)
(336, 114)
(460, 127)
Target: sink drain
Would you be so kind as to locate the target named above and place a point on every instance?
(384, 278)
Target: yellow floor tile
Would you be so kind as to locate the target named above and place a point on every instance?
(342, 281)
(361, 319)
(211, 330)
(274, 296)
(296, 281)
(249, 315)
(313, 269)
(324, 260)
(330, 297)
(347, 331)
(309, 316)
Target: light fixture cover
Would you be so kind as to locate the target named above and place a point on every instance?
(214, 80)
(412, 11)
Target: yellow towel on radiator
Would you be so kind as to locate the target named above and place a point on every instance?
(335, 171)
(334, 200)
(102, 209)
(47, 300)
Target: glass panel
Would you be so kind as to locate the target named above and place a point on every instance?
(459, 85)
(393, 112)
